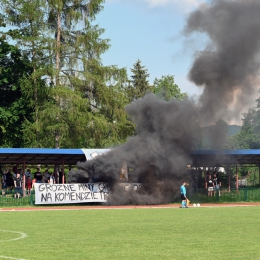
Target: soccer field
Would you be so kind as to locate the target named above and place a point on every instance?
(170, 233)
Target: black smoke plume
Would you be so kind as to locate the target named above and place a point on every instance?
(157, 155)
(228, 68)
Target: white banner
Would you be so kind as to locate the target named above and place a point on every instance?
(70, 193)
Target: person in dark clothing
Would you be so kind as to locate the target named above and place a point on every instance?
(210, 186)
(3, 181)
(38, 176)
(60, 176)
(9, 180)
(17, 185)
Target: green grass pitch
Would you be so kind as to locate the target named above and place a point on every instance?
(170, 233)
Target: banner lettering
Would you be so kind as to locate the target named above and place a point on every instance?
(76, 192)
(70, 193)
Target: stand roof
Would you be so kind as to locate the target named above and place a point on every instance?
(46, 155)
(199, 158)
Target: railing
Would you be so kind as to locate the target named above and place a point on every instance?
(243, 194)
(10, 198)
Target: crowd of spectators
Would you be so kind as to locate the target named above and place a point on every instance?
(213, 183)
(12, 180)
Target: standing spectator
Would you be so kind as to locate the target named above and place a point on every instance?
(14, 171)
(217, 184)
(210, 186)
(9, 180)
(28, 181)
(60, 176)
(183, 195)
(20, 171)
(46, 176)
(3, 181)
(38, 175)
(17, 185)
(51, 179)
(33, 181)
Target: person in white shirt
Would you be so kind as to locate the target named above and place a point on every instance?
(51, 179)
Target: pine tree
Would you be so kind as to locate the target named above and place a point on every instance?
(84, 104)
(139, 84)
(87, 95)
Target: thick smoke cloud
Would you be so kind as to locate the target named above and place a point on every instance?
(159, 153)
(228, 68)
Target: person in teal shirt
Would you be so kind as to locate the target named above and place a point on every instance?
(183, 195)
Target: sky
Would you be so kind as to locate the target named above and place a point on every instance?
(151, 31)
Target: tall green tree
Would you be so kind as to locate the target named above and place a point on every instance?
(14, 107)
(27, 20)
(84, 105)
(248, 137)
(256, 125)
(166, 89)
(87, 100)
(139, 83)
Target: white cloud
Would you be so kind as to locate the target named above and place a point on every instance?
(181, 5)
(184, 5)
(191, 3)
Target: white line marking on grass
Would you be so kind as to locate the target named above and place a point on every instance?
(7, 257)
(21, 235)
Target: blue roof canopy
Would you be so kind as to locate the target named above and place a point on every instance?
(224, 157)
(47, 155)
(72, 156)
(41, 156)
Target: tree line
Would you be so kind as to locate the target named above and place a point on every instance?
(55, 91)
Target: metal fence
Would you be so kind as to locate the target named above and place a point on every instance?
(223, 195)
(10, 199)
(243, 194)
